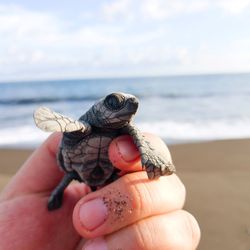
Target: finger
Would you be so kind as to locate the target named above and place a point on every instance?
(28, 216)
(124, 154)
(40, 172)
(131, 198)
(178, 230)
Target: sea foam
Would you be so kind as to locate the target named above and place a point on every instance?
(171, 131)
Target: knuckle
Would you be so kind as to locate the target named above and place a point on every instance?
(143, 236)
(176, 192)
(175, 231)
(140, 192)
(179, 187)
(149, 197)
(182, 231)
(191, 228)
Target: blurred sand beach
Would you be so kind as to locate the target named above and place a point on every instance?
(216, 176)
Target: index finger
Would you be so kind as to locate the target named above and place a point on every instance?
(131, 198)
(125, 156)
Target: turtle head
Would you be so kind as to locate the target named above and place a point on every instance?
(113, 111)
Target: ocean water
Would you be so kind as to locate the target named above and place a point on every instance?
(177, 108)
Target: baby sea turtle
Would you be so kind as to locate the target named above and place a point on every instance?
(83, 152)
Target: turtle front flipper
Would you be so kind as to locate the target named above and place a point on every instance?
(155, 164)
(56, 197)
(50, 121)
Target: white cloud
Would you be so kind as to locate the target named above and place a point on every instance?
(36, 44)
(163, 9)
(183, 55)
(233, 6)
(233, 57)
(117, 9)
(43, 40)
(129, 10)
(160, 9)
(24, 34)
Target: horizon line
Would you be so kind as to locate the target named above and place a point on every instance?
(122, 77)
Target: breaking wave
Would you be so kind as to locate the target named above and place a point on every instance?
(171, 131)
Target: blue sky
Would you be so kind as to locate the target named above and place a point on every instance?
(77, 39)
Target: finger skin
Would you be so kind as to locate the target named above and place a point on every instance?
(23, 206)
(177, 230)
(39, 173)
(125, 156)
(129, 199)
(26, 223)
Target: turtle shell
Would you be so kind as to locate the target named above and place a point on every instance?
(88, 157)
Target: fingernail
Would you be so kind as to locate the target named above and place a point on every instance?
(93, 213)
(96, 244)
(127, 149)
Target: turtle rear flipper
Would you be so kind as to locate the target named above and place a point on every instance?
(56, 197)
(55, 201)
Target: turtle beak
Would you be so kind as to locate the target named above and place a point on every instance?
(132, 104)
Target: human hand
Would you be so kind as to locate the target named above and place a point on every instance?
(133, 212)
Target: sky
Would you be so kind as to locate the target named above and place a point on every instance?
(62, 39)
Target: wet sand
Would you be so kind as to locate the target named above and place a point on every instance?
(217, 177)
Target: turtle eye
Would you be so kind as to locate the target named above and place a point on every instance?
(114, 101)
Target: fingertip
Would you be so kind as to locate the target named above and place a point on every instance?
(124, 154)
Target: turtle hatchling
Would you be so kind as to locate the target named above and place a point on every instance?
(83, 151)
